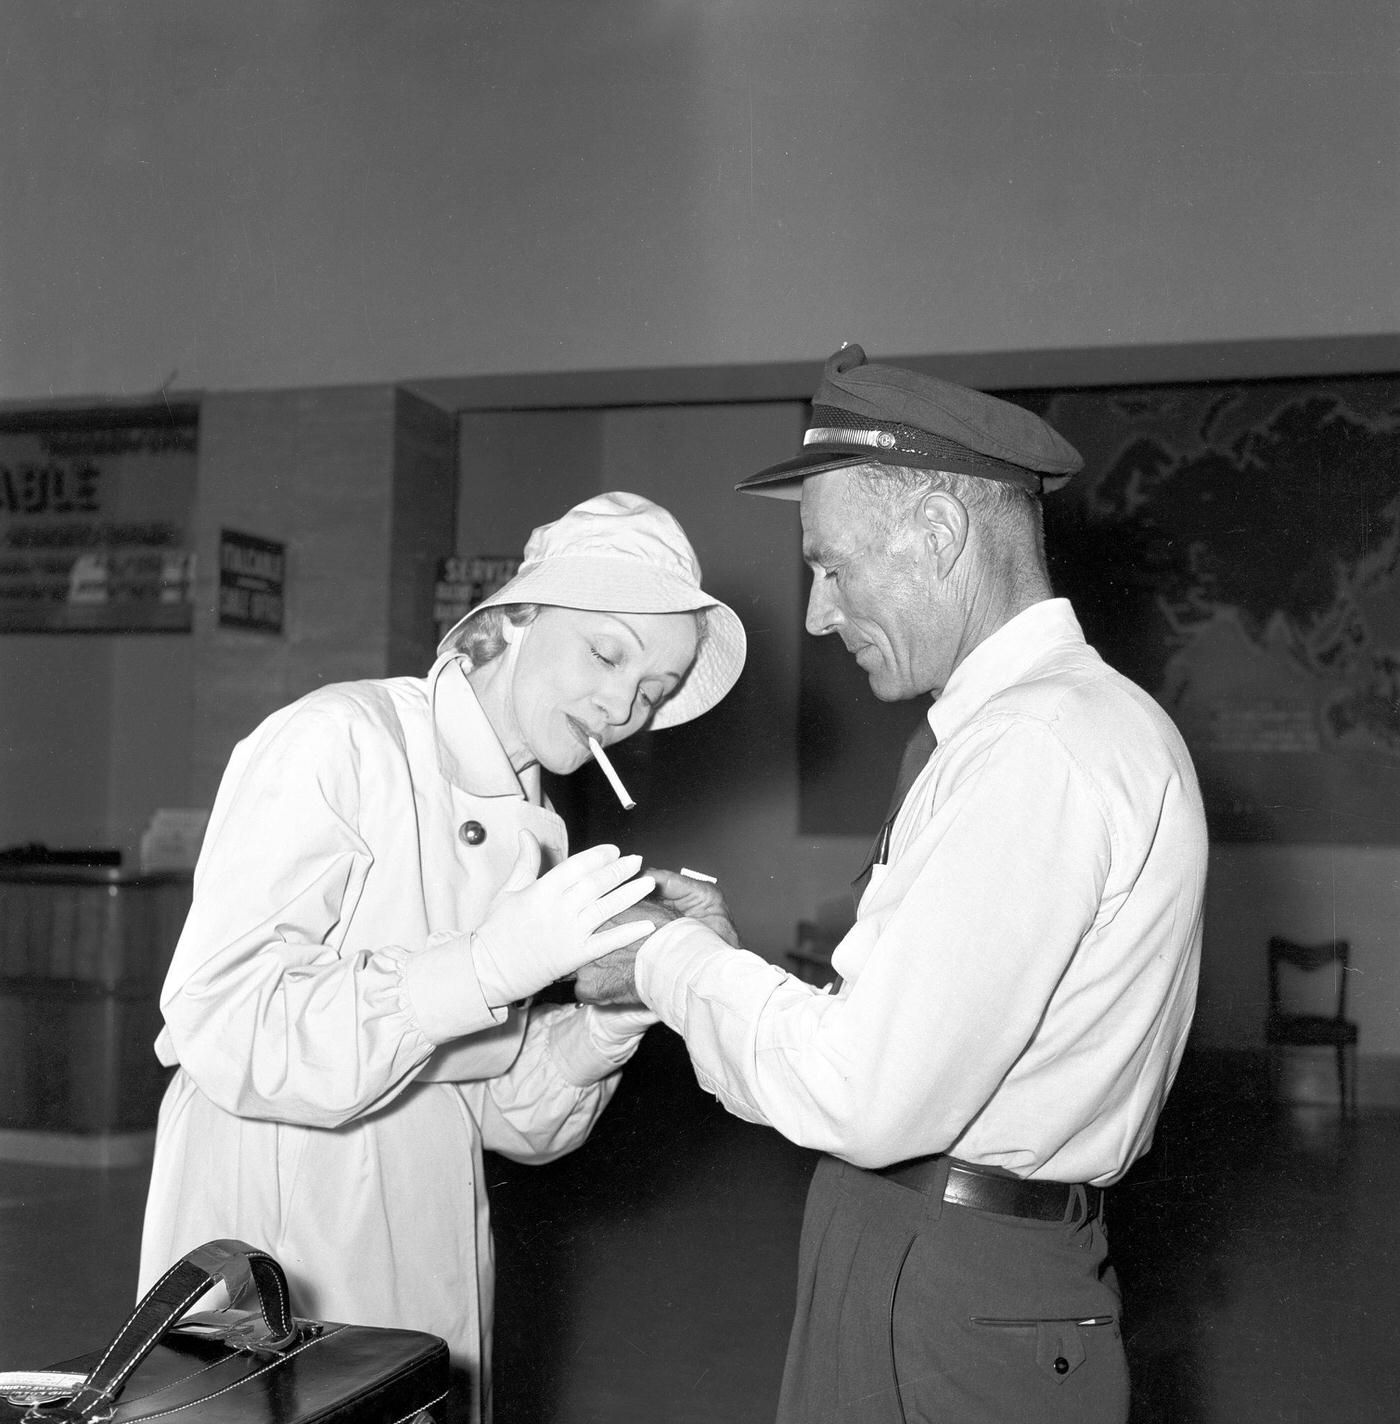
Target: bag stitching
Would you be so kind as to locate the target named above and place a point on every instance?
(131, 1319)
(146, 1345)
(194, 1295)
(407, 1417)
(238, 1383)
(272, 1364)
(279, 1280)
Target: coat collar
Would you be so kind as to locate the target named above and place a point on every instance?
(469, 753)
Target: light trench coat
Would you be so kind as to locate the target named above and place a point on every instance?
(338, 1071)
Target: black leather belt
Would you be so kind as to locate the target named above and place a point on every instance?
(986, 1191)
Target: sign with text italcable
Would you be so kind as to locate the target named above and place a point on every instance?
(252, 582)
(94, 520)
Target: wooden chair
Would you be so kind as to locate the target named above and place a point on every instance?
(1291, 1023)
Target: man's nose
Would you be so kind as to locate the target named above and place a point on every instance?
(821, 610)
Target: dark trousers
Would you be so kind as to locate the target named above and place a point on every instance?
(910, 1309)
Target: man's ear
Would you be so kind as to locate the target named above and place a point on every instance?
(942, 521)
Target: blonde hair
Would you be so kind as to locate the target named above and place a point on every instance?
(482, 637)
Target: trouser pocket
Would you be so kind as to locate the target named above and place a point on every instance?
(1060, 1345)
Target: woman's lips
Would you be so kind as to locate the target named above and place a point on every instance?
(580, 731)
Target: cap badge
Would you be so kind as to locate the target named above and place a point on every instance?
(823, 434)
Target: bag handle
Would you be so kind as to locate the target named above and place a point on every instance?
(235, 1263)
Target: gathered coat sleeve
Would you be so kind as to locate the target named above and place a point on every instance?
(547, 1102)
(283, 1002)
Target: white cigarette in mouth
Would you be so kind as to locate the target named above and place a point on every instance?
(699, 875)
(601, 757)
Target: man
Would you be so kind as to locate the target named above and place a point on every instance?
(1016, 991)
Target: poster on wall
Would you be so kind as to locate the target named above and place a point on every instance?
(252, 582)
(1234, 548)
(463, 580)
(95, 511)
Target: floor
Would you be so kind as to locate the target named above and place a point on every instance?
(647, 1278)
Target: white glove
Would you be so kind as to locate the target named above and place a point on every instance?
(614, 1026)
(539, 930)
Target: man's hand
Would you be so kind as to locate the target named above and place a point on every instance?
(609, 980)
(649, 908)
(695, 899)
(612, 978)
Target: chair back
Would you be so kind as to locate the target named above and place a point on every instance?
(1308, 958)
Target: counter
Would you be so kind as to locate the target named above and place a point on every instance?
(83, 951)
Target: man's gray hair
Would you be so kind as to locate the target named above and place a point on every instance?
(1012, 515)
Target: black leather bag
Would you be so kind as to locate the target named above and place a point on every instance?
(236, 1366)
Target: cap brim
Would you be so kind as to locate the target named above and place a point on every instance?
(784, 480)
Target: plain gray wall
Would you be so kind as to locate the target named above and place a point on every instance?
(342, 191)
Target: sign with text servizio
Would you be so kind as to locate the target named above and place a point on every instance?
(463, 580)
(252, 582)
(95, 509)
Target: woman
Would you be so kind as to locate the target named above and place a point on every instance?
(348, 1005)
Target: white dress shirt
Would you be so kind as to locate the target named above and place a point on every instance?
(338, 1068)
(1021, 975)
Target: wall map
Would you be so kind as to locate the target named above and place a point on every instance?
(1235, 549)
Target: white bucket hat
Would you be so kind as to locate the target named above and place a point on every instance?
(620, 553)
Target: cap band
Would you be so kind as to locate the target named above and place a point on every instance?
(826, 434)
(894, 443)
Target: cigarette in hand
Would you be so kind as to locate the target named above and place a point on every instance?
(698, 875)
(601, 757)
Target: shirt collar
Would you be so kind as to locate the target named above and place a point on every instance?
(469, 753)
(1000, 660)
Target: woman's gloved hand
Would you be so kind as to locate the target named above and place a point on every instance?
(615, 1027)
(539, 930)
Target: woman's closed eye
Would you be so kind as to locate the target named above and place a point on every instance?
(651, 699)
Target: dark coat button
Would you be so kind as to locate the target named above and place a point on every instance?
(471, 832)
(1061, 1365)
